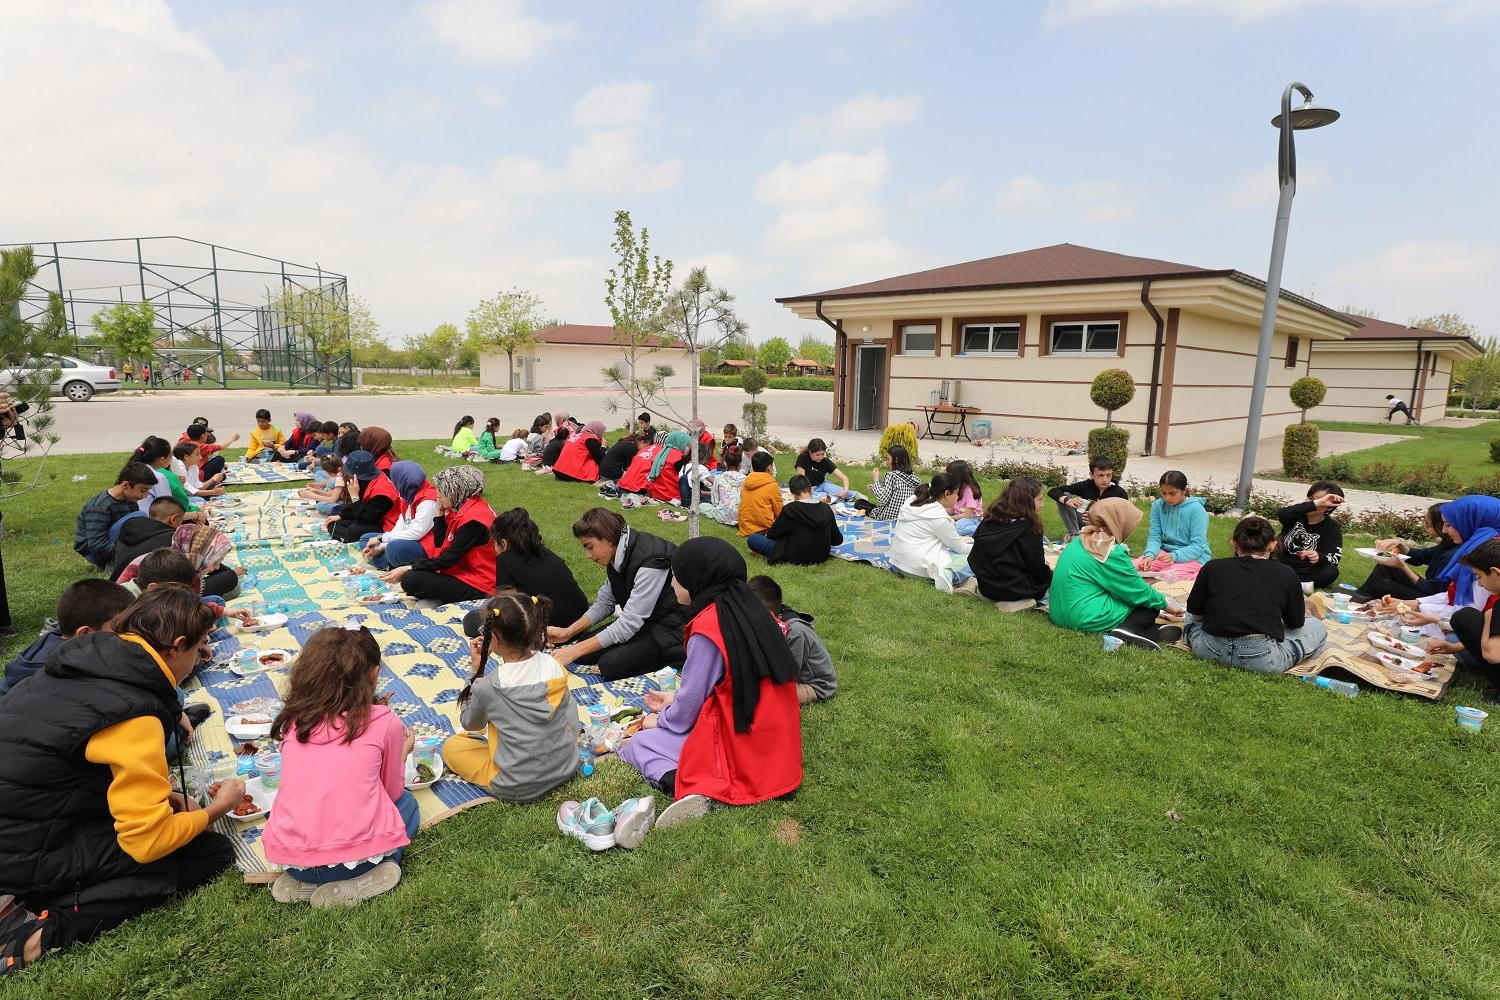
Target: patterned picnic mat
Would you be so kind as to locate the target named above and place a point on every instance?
(425, 662)
(869, 541)
(263, 473)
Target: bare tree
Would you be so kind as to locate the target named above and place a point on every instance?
(636, 291)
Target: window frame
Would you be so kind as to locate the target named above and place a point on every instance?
(1086, 328)
(899, 336)
(1293, 346)
(962, 323)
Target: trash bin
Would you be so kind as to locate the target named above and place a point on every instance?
(981, 428)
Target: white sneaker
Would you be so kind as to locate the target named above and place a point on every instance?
(684, 810)
(287, 889)
(633, 821)
(588, 821)
(382, 878)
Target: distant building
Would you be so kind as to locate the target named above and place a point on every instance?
(572, 356)
(730, 366)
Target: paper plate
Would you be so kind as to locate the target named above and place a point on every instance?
(389, 597)
(240, 729)
(261, 666)
(1404, 650)
(264, 797)
(265, 623)
(344, 574)
(411, 772)
(1373, 554)
(324, 543)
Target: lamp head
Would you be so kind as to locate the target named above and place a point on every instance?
(1309, 115)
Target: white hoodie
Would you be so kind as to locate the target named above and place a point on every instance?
(924, 542)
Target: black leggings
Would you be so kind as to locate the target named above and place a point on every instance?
(1142, 621)
(195, 864)
(1320, 575)
(563, 477)
(655, 646)
(1468, 625)
(427, 585)
(212, 466)
(222, 582)
(1385, 580)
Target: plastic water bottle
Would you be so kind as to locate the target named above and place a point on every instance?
(1346, 688)
(585, 762)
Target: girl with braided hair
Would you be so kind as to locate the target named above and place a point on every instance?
(463, 567)
(529, 722)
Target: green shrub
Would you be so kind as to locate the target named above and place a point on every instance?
(1307, 392)
(1339, 468)
(1299, 451)
(1430, 479)
(1113, 442)
(1046, 473)
(1375, 474)
(903, 434)
(1495, 450)
(810, 383)
(753, 421)
(1486, 485)
(753, 381)
(1112, 389)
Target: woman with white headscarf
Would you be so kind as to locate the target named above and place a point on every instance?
(463, 568)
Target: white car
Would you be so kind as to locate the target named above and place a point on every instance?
(77, 380)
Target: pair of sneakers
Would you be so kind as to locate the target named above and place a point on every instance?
(592, 822)
(346, 892)
(1166, 635)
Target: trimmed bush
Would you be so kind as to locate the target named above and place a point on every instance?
(753, 381)
(1113, 442)
(903, 434)
(1339, 468)
(1430, 479)
(1112, 389)
(1299, 451)
(753, 420)
(1307, 392)
(1495, 450)
(808, 383)
(1373, 474)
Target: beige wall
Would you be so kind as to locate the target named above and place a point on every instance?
(1358, 378)
(570, 366)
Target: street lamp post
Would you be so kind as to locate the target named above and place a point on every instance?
(1307, 116)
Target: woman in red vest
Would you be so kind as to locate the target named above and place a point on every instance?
(637, 478)
(732, 732)
(463, 568)
(377, 441)
(581, 455)
(375, 507)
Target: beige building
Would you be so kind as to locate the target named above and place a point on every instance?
(1020, 338)
(572, 356)
(1415, 366)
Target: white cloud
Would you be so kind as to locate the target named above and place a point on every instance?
(859, 117)
(828, 198)
(1076, 11)
(778, 14)
(1420, 277)
(613, 104)
(868, 260)
(146, 21)
(565, 265)
(944, 192)
(1086, 201)
(611, 163)
(492, 30)
(1260, 188)
(723, 268)
(491, 98)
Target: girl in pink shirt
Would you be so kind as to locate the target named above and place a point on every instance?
(970, 504)
(342, 815)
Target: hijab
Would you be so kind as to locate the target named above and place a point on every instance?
(596, 428)
(361, 465)
(376, 441)
(408, 477)
(1476, 519)
(459, 484)
(205, 546)
(713, 572)
(305, 421)
(1111, 520)
(677, 439)
(559, 421)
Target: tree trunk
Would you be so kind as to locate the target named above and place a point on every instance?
(693, 515)
(510, 371)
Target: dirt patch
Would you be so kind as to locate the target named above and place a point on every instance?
(788, 831)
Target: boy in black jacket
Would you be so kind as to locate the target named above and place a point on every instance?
(802, 533)
(1074, 499)
(1312, 543)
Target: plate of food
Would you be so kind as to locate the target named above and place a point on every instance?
(344, 574)
(256, 803)
(266, 659)
(323, 543)
(423, 775)
(388, 597)
(265, 623)
(228, 502)
(1405, 650)
(258, 705)
(1386, 556)
(252, 726)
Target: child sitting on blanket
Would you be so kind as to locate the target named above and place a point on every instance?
(802, 534)
(328, 491)
(925, 543)
(1177, 542)
(815, 464)
(265, 440)
(1478, 631)
(1073, 499)
(343, 816)
(529, 723)
(816, 678)
(1248, 611)
(85, 606)
(1312, 542)
(970, 504)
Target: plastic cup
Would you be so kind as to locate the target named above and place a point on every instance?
(599, 716)
(1471, 719)
(1112, 643)
(1411, 634)
(1341, 601)
(246, 659)
(268, 763)
(1307, 588)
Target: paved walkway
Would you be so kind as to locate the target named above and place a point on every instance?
(117, 423)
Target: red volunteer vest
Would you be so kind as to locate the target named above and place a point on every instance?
(426, 493)
(665, 486)
(575, 459)
(477, 566)
(635, 478)
(381, 486)
(706, 456)
(741, 768)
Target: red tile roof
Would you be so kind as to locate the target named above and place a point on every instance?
(1379, 329)
(582, 335)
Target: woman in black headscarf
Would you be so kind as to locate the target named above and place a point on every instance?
(732, 731)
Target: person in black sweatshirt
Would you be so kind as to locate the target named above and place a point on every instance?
(617, 458)
(802, 533)
(1008, 558)
(1248, 611)
(526, 564)
(1397, 578)
(1312, 543)
(1073, 499)
(139, 535)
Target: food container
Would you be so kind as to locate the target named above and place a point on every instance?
(1343, 615)
(1341, 602)
(268, 763)
(1112, 643)
(599, 716)
(1471, 719)
(1411, 634)
(247, 660)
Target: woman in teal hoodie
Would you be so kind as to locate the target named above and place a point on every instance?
(1096, 588)
(1177, 542)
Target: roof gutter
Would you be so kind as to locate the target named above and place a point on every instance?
(840, 365)
(1416, 375)
(1161, 334)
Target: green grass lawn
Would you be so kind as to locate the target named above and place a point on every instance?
(985, 813)
(1466, 449)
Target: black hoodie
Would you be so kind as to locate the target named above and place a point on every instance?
(803, 533)
(138, 536)
(1008, 561)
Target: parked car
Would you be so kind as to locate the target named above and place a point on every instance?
(77, 380)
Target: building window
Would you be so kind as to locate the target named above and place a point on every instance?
(919, 339)
(1292, 343)
(984, 338)
(1085, 339)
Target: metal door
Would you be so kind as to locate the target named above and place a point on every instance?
(869, 380)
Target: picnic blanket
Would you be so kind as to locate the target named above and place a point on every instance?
(868, 541)
(263, 473)
(425, 662)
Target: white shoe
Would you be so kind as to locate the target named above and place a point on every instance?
(287, 889)
(382, 878)
(633, 821)
(589, 821)
(684, 810)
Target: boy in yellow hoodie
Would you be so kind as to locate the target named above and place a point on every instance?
(264, 440)
(760, 496)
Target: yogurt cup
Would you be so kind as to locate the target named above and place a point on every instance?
(1471, 719)
(1112, 643)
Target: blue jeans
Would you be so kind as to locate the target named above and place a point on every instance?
(1258, 653)
(967, 526)
(829, 488)
(326, 507)
(685, 489)
(400, 552)
(760, 542)
(322, 875)
(267, 456)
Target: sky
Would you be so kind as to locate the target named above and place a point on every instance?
(440, 151)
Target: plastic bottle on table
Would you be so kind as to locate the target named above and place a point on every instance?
(1346, 688)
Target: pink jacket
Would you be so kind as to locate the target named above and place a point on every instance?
(337, 801)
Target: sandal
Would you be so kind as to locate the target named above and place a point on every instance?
(17, 924)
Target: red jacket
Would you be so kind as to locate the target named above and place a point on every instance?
(665, 486)
(575, 459)
(477, 566)
(741, 768)
(635, 478)
(381, 486)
